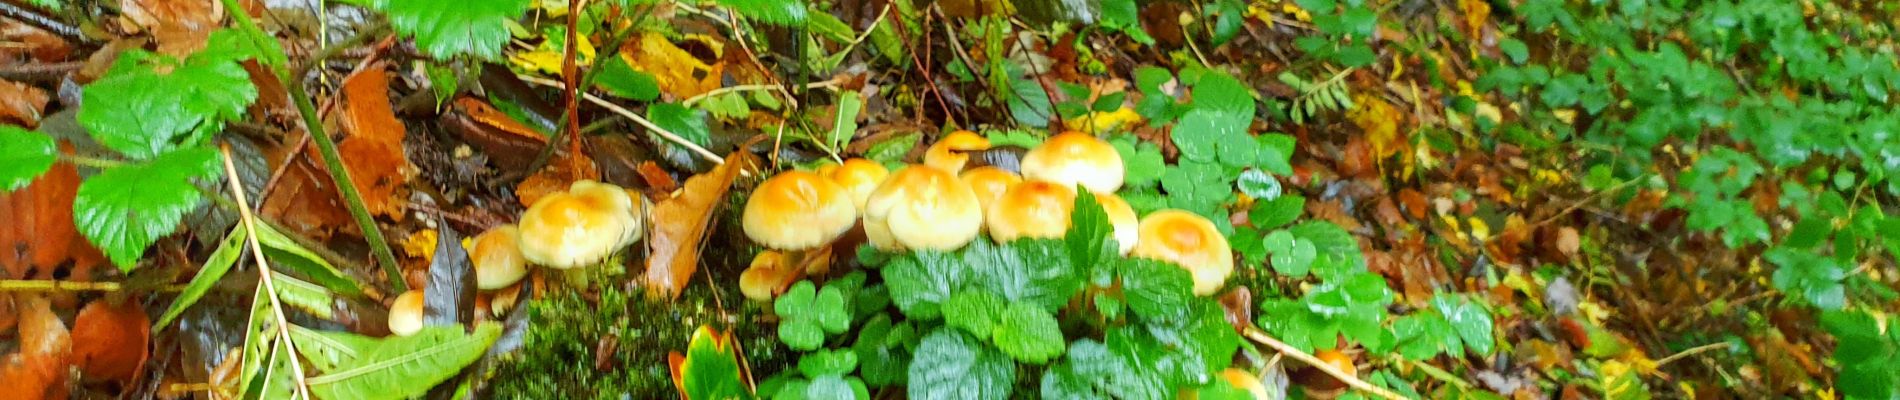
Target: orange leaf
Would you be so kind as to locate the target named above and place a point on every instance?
(180, 26)
(656, 178)
(38, 370)
(555, 177)
(21, 104)
(109, 341)
(373, 152)
(40, 221)
(679, 225)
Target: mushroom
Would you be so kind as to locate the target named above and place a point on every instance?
(405, 315)
(860, 176)
(1032, 209)
(948, 153)
(581, 226)
(768, 276)
(798, 210)
(921, 207)
(1321, 385)
(1076, 158)
(1190, 241)
(497, 258)
(988, 183)
(1246, 381)
(1122, 216)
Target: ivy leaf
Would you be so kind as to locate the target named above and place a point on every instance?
(1155, 290)
(24, 155)
(921, 281)
(686, 122)
(1037, 271)
(448, 28)
(808, 314)
(974, 311)
(952, 366)
(788, 13)
(620, 79)
(127, 208)
(1029, 334)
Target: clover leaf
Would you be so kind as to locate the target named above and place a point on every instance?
(807, 314)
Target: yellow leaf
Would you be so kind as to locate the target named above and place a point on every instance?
(420, 244)
(547, 58)
(677, 71)
(1099, 122)
(1380, 123)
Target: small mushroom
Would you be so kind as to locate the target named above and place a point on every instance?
(798, 210)
(860, 176)
(767, 276)
(1320, 385)
(405, 315)
(581, 226)
(1076, 158)
(921, 207)
(497, 258)
(1032, 209)
(949, 153)
(1247, 381)
(988, 183)
(1190, 241)
(1122, 216)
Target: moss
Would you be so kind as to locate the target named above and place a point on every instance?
(559, 354)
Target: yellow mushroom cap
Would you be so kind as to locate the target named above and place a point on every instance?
(765, 277)
(1188, 240)
(797, 210)
(405, 315)
(1076, 158)
(1243, 380)
(860, 176)
(948, 153)
(1032, 209)
(921, 207)
(988, 183)
(1122, 216)
(497, 258)
(581, 226)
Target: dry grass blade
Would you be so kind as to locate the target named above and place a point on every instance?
(263, 268)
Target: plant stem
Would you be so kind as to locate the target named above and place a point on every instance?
(33, 285)
(1262, 337)
(263, 269)
(90, 162)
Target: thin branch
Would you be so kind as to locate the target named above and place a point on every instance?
(570, 74)
(1262, 337)
(763, 86)
(903, 35)
(35, 285)
(1690, 352)
(34, 18)
(617, 109)
(263, 269)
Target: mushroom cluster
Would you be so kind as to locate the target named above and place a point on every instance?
(945, 202)
(578, 227)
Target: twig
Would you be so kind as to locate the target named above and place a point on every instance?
(1257, 335)
(263, 269)
(1439, 373)
(617, 109)
(833, 82)
(34, 285)
(50, 24)
(1586, 200)
(570, 74)
(1690, 352)
(40, 71)
(903, 35)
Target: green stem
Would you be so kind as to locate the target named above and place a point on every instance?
(90, 162)
(19, 285)
(313, 126)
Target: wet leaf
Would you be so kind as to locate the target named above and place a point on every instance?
(24, 155)
(402, 366)
(21, 104)
(127, 208)
(448, 28)
(109, 341)
(710, 368)
(678, 72)
(38, 369)
(373, 151)
(679, 225)
(213, 269)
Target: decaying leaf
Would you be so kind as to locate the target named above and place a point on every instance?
(179, 26)
(38, 369)
(109, 341)
(679, 224)
(39, 220)
(556, 177)
(372, 151)
(709, 369)
(679, 72)
(21, 104)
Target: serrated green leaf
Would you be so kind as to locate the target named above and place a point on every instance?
(1155, 290)
(1090, 238)
(950, 365)
(140, 113)
(448, 28)
(1277, 212)
(405, 366)
(974, 311)
(127, 208)
(685, 122)
(790, 13)
(24, 155)
(620, 79)
(921, 281)
(1029, 334)
(1037, 271)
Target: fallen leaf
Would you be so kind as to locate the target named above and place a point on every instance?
(38, 370)
(373, 151)
(510, 144)
(679, 224)
(305, 199)
(179, 26)
(26, 41)
(657, 179)
(21, 104)
(109, 341)
(40, 227)
(1568, 242)
(555, 177)
(679, 72)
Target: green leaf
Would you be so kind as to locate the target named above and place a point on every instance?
(215, 265)
(448, 28)
(952, 366)
(921, 281)
(1203, 342)
(827, 362)
(1291, 256)
(292, 256)
(1142, 159)
(807, 314)
(404, 366)
(1470, 320)
(1333, 243)
(789, 13)
(891, 151)
(24, 155)
(1515, 49)
(881, 350)
(444, 81)
(1037, 271)
(1091, 370)
(845, 123)
(1027, 100)
(1155, 290)
(1277, 212)
(1275, 153)
(1809, 277)
(140, 113)
(974, 311)
(685, 122)
(620, 79)
(1029, 334)
(1259, 185)
(1216, 127)
(1090, 238)
(127, 208)
(330, 351)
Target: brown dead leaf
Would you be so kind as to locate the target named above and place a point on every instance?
(657, 179)
(373, 152)
(27, 42)
(305, 200)
(38, 370)
(21, 104)
(555, 177)
(179, 26)
(679, 224)
(109, 341)
(39, 220)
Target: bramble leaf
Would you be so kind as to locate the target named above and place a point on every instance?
(24, 155)
(127, 208)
